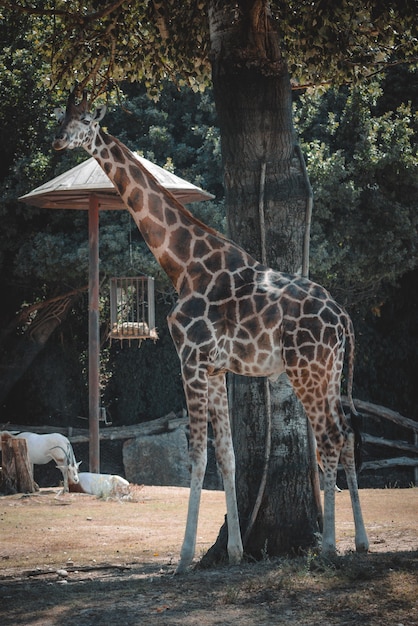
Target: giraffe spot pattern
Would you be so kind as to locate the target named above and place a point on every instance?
(201, 249)
(170, 217)
(194, 307)
(183, 240)
(121, 180)
(153, 231)
(135, 199)
(155, 207)
(117, 154)
(137, 176)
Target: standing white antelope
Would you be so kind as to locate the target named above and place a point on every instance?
(52, 446)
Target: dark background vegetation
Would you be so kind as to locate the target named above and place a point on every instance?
(360, 146)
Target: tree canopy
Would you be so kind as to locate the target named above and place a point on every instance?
(362, 165)
(102, 44)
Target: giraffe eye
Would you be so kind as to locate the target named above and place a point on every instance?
(86, 122)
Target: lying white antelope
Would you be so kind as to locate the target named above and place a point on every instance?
(52, 447)
(101, 485)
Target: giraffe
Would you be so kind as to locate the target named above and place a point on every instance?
(233, 314)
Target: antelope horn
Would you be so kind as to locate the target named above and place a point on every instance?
(70, 455)
(61, 448)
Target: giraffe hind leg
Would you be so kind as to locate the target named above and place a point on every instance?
(329, 442)
(348, 462)
(329, 457)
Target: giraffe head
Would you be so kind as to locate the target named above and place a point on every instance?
(77, 126)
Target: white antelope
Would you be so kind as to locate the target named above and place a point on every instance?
(101, 485)
(52, 447)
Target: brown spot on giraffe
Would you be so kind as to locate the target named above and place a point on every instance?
(135, 200)
(121, 180)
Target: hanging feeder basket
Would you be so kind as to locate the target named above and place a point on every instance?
(132, 308)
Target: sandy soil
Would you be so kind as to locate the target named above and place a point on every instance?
(75, 559)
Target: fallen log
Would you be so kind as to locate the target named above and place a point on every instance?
(167, 423)
(390, 443)
(164, 424)
(385, 463)
(375, 410)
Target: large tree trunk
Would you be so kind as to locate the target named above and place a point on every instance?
(16, 471)
(266, 196)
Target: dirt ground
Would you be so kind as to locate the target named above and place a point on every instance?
(75, 559)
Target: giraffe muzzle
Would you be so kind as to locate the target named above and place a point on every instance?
(60, 143)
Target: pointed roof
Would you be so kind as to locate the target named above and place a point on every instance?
(71, 190)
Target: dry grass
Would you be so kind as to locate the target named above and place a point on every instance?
(119, 558)
(46, 529)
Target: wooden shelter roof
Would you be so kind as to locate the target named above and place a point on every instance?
(71, 189)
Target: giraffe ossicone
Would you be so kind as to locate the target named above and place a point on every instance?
(233, 314)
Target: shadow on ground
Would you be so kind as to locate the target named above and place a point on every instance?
(374, 589)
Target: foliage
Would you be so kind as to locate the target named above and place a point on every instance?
(45, 252)
(387, 350)
(179, 132)
(362, 166)
(345, 41)
(104, 44)
(361, 150)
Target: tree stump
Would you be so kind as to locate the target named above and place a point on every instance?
(16, 469)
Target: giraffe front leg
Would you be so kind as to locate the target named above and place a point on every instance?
(198, 466)
(196, 396)
(219, 415)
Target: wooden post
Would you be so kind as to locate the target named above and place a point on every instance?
(94, 335)
(16, 469)
(416, 466)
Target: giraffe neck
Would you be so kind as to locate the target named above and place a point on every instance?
(175, 237)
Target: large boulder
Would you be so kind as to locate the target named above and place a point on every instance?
(158, 459)
(163, 459)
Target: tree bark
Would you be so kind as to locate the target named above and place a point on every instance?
(16, 469)
(266, 198)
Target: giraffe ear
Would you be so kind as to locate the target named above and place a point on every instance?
(59, 113)
(99, 113)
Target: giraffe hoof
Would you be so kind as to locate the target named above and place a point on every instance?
(180, 569)
(328, 551)
(235, 556)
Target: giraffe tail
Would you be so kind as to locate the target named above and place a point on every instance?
(350, 375)
(355, 417)
(355, 422)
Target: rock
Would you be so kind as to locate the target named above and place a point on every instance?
(62, 573)
(163, 459)
(158, 459)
